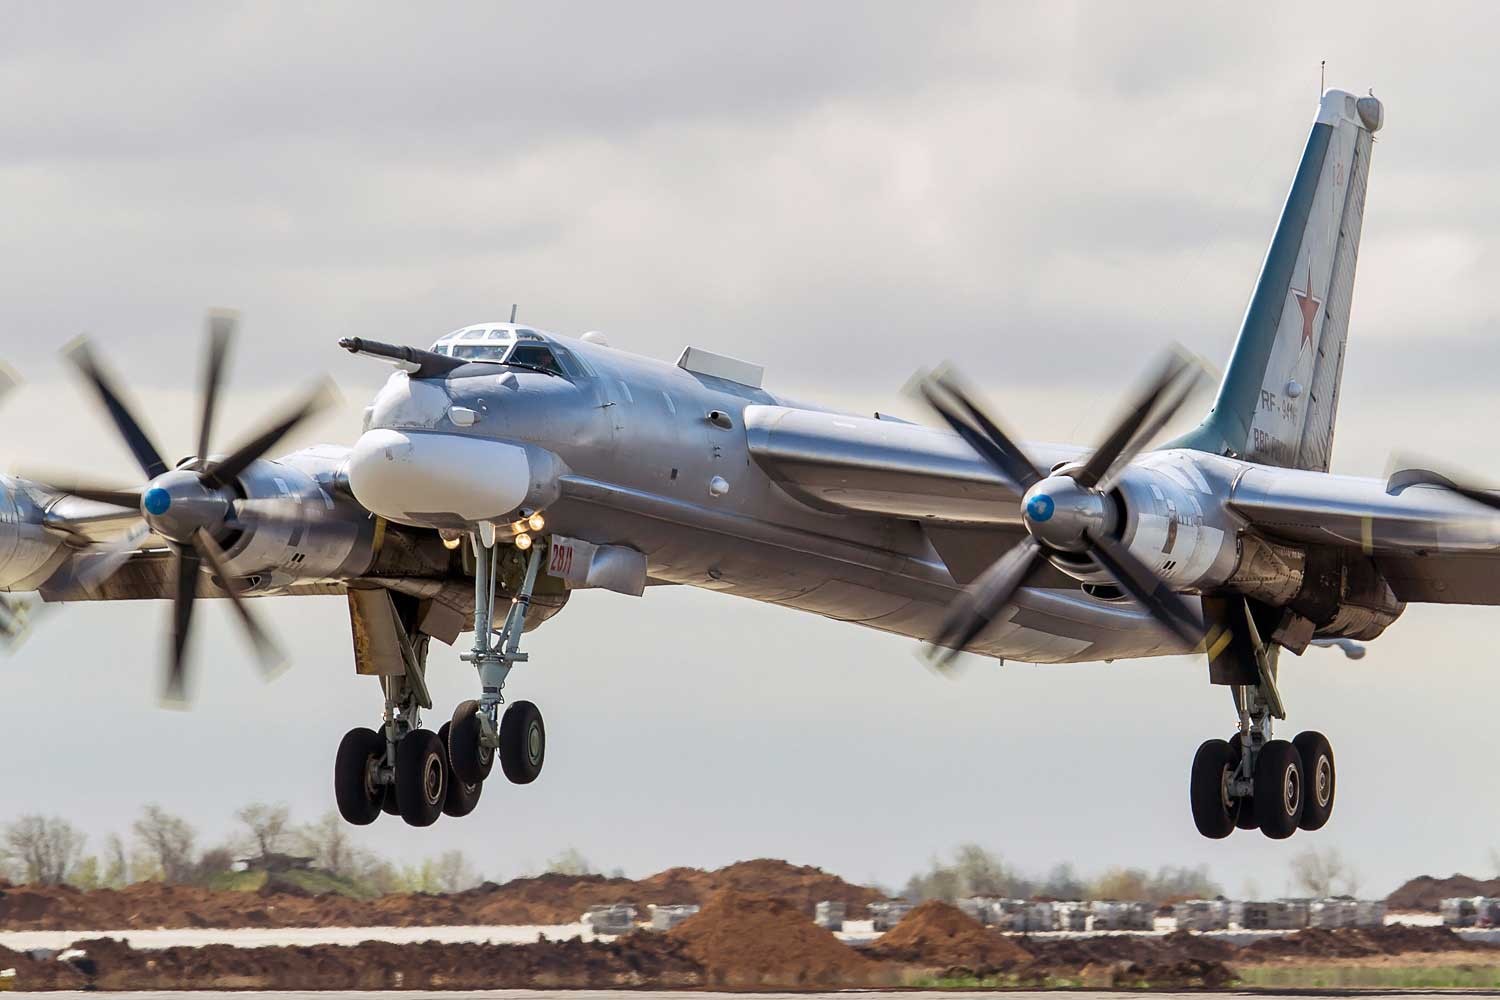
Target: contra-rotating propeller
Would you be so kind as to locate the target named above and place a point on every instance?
(1068, 513)
(187, 505)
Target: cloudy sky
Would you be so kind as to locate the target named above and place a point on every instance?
(843, 192)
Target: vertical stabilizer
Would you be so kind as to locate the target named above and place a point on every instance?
(1280, 392)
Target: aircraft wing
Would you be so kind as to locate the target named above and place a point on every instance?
(1432, 544)
(836, 461)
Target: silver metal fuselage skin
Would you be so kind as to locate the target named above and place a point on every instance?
(638, 453)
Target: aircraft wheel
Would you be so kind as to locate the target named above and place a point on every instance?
(1279, 789)
(1244, 809)
(1213, 768)
(421, 777)
(462, 796)
(523, 742)
(1317, 765)
(354, 787)
(471, 760)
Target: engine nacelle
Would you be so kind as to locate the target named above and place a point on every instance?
(325, 536)
(1175, 521)
(1167, 512)
(29, 552)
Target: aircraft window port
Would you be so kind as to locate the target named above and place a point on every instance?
(721, 419)
(571, 365)
(479, 352)
(536, 357)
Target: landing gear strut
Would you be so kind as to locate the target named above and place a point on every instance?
(1253, 780)
(478, 732)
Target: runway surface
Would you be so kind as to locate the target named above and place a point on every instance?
(683, 995)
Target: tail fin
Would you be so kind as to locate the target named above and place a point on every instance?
(1280, 392)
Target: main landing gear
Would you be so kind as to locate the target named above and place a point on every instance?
(1253, 781)
(416, 773)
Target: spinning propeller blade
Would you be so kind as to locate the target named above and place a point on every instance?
(223, 473)
(973, 610)
(984, 600)
(146, 454)
(117, 496)
(187, 506)
(221, 330)
(1419, 476)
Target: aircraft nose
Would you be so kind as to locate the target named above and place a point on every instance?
(431, 478)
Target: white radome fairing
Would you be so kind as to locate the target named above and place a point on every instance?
(430, 478)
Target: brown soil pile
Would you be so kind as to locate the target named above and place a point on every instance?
(1076, 953)
(748, 941)
(1358, 943)
(546, 899)
(1130, 961)
(739, 940)
(34, 974)
(938, 933)
(644, 961)
(1426, 892)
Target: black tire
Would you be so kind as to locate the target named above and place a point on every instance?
(1213, 766)
(1317, 766)
(389, 805)
(523, 742)
(462, 796)
(354, 788)
(471, 760)
(1244, 806)
(421, 777)
(1279, 789)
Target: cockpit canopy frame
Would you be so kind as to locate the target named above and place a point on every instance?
(510, 343)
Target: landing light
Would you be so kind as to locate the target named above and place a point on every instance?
(523, 541)
(451, 541)
(536, 522)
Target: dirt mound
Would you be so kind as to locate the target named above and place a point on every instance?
(643, 961)
(33, 974)
(743, 940)
(1358, 943)
(545, 899)
(801, 885)
(1185, 974)
(938, 933)
(1426, 892)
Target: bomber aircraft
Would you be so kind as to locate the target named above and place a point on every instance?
(503, 467)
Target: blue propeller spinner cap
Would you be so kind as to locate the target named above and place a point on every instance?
(1038, 509)
(156, 501)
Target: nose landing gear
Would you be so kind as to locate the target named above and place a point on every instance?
(478, 733)
(405, 770)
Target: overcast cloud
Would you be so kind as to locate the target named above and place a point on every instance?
(844, 192)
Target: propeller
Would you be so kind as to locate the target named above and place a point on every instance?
(1420, 476)
(188, 506)
(8, 379)
(1068, 512)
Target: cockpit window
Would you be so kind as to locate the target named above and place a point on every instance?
(478, 352)
(520, 345)
(536, 356)
(571, 363)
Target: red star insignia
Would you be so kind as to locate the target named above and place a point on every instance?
(1309, 307)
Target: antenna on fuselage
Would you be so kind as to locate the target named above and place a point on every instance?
(1322, 78)
(513, 312)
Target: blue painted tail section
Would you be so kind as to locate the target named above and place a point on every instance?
(1279, 399)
